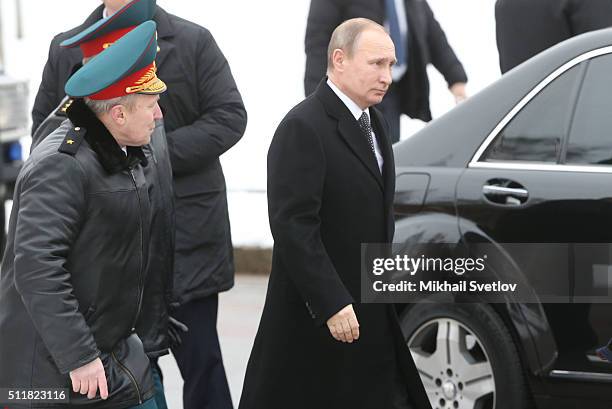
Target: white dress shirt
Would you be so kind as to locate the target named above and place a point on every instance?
(357, 112)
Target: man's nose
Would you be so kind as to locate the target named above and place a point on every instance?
(386, 76)
(157, 113)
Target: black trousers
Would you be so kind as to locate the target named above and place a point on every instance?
(199, 357)
(390, 107)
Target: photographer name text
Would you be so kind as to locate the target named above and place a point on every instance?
(443, 286)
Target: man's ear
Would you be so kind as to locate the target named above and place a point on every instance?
(338, 58)
(117, 114)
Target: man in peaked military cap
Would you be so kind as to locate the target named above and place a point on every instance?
(73, 274)
(91, 41)
(154, 326)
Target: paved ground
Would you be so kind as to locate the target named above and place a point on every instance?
(239, 313)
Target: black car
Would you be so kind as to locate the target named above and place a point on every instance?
(527, 160)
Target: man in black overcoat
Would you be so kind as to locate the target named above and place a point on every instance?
(423, 42)
(330, 188)
(526, 27)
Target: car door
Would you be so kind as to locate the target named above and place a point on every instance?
(534, 180)
(589, 150)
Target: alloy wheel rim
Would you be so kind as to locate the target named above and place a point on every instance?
(453, 364)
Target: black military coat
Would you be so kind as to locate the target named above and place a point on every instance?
(152, 325)
(74, 268)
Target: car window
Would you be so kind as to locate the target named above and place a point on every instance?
(536, 133)
(590, 140)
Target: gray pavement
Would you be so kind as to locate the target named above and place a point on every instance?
(239, 314)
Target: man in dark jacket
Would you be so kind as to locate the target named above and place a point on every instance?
(204, 116)
(331, 181)
(526, 27)
(74, 268)
(423, 42)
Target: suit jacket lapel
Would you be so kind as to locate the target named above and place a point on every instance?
(349, 130)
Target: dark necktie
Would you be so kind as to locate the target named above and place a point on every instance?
(366, 128)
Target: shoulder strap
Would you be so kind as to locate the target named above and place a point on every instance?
(72, 141)
(61, 109)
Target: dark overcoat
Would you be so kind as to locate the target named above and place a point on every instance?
(74, 267)
(204, 116)
(326, 196)
(526, 27)
(427, 43)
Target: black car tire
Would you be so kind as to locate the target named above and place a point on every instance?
(488, 329)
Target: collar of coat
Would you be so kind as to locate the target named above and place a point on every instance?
(164, 25)
(109, 153)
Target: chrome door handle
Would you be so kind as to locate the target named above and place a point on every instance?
(505, 191)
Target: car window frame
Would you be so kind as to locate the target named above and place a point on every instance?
(586, 69)
(478, 161)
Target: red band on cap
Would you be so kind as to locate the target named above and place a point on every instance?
(97, 45)
(120, 88)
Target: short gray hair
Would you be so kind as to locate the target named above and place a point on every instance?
(102, 106)
(346, 35)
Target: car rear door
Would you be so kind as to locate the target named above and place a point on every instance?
(543, 176)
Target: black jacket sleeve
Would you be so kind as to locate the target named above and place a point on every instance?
(296, 176)
(52, 206)
(323, 17)
(47, 97)
(442, 55)
(223, 116)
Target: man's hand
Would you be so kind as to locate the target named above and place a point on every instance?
(458, 91)
(343, 325)
(88, 378)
